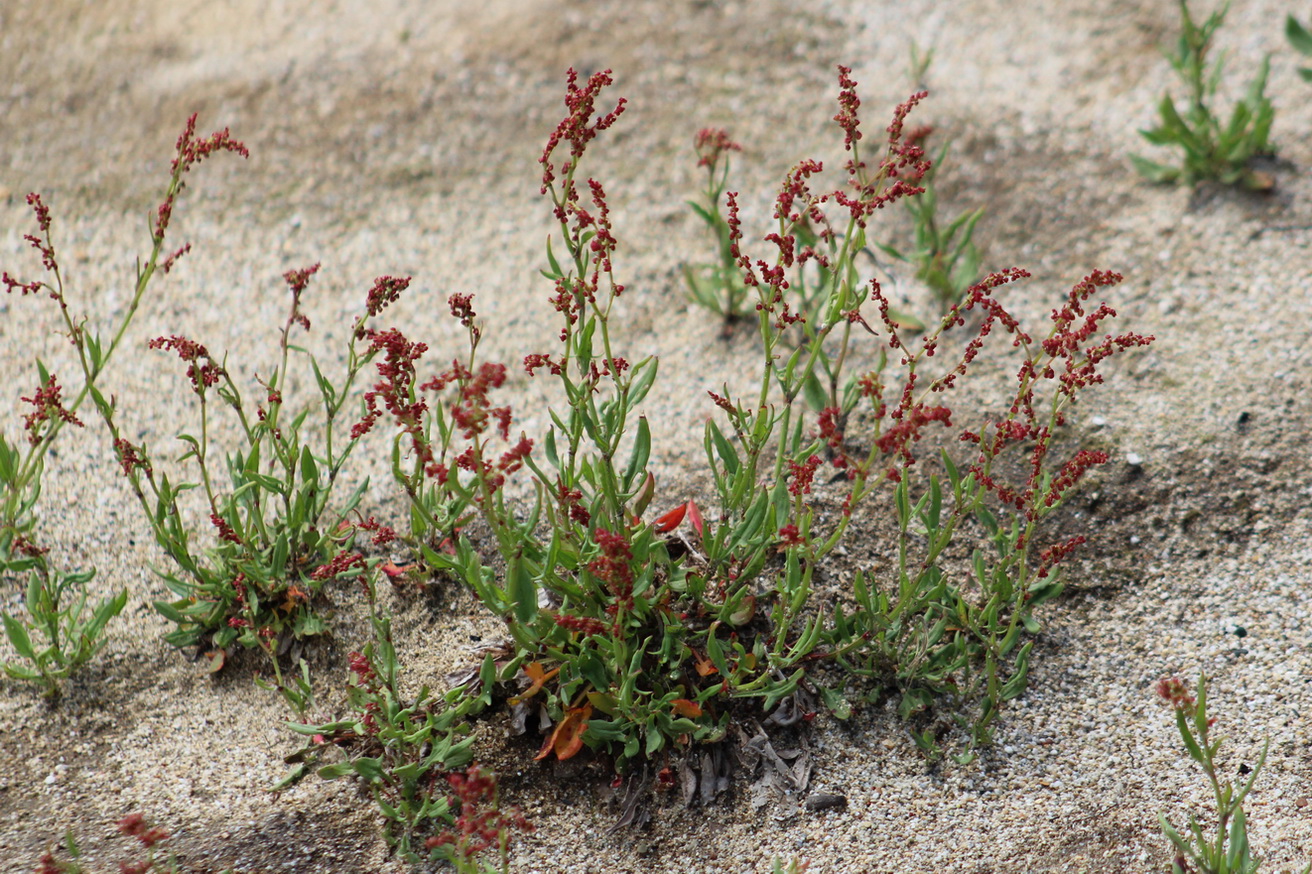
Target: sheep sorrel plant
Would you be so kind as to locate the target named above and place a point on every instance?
(397, 747)
(57, 600)
(1211, 150)
(1228, 852)
(717, 286)
(278, 541)
(632, 641)
(253, 579)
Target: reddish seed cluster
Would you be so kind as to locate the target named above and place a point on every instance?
(481, 824)
(581, 103)
(1054, 555)
(789, 536)
(41, 245)
(190, 153)
(167, 264)
(341, 563)
(711, 143)
(397, 370)
(848, 103)
(1071, 472)
(49, 407)
(364, 672)
(134, 825)
(908, 429)
(297, 281)
(581, 624)
(1174, 691)
(201, 375)
(225, 530)
(129, 457)
(801, 475)
(538, 360)
(571, 500)
(386, 291)
(382, 534)
(614, 566)
(462, 309)
(473, 409)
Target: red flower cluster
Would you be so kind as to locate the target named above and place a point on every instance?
(382, 534)
(340, 564)
(472, 408)
(297, 281)
(386, 291)
(134, 825)
(225, 530)
(397, 370)
(1174, 691)
(582, 624)
(201, 375)
(191, 152)
(48, 408)
(711, 144)
(129, 457)
(801, 475)
(43, 246)
(481, 823)
(581, 103)
(614, 566)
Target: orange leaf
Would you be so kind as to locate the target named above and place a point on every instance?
(684, 707)
(669, 521)
(393, 571)
(534, 671)
(705, 667)
(567, 739)
(695, 517)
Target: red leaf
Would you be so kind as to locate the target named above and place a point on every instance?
(393, 571)
(695, 517)
(671, 520)
(567, 739)
(684, 707)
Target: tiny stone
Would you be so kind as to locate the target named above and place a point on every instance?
(1133, 459)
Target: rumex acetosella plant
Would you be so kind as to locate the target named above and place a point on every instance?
(1227, 851)
(61, 631)
(257, 580)
(399, 748)
(252, 574)
(631, 641)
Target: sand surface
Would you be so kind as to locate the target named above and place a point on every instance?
(401, 137)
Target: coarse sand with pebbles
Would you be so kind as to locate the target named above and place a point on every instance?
(401, 137)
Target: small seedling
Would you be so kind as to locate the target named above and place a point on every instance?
(69, 632)
(1211, 150)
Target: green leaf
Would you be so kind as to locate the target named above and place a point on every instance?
(1298, 36)
(555, 272)
(1153, 171)
(644, 375)
(814, 392)
(641, 453)
(521, 591)
(309, 470)
(17, 634)
(723, 448)
(1237, 857)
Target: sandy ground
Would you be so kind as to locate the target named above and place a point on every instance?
(401, 137)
